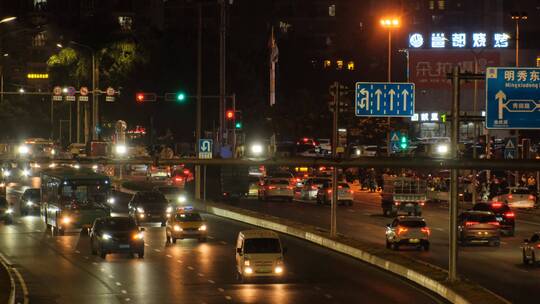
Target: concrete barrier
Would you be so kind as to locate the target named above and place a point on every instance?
(428, 276)
(7, 295)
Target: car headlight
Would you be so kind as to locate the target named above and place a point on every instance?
(6, 173)
(95, 167)
(138, 236)
(29, 203)
(25, 172)
(66, 220)
(246, 263)
(140, 209)
(169, 210)
(110, 200)
(442, 149)
(278, 269)
(248, 270)
(106, 236)
(177, 228)
(9, 210)
(2, 185)
(182, 199)
(202, 228)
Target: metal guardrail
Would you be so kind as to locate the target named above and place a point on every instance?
(367, 162)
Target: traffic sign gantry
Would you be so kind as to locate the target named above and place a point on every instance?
(384, 99)
(205, 148)
(513, 98)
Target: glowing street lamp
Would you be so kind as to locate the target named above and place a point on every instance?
(390, 24)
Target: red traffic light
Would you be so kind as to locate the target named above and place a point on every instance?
(143, 97)
(229, 114)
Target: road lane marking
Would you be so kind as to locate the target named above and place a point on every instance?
(228, 298)
(210, 237)
(157, 250)
(221, 289)
(528, 222)
(200, 274)
(179, 261)
(146, 245)
(169, 256)
(191, 268)
(124, 291)
(438, 229)
(211, 282)
(86, 257)
(328, 296)
(77, 251)
(111, 276)
(95, 264)
(223, 242)
(118, 284)
(127, 299)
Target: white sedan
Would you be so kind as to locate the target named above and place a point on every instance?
(517, 198)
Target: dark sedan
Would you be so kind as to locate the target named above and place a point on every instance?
(150, 206)
(504, 215)
(116, 235)
(30, 201)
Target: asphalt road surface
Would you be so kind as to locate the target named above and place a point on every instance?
(498, 269)
(62, 270)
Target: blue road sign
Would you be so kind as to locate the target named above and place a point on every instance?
(394, 141)
(510, 149)
(513, 98)
(384, 99)
(205, 148)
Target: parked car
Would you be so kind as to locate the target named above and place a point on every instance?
(345, 194)
(408, 231)
(478, 227)
(504, 215)
(116, 235)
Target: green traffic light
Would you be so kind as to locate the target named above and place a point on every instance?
(238, 125)
(403, 143)
(181, 97)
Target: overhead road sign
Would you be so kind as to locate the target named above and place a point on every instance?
(513, 98)
(205, 148)
(384, 99)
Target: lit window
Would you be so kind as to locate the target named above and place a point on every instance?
(437, 40)
(441, 5)
(332, 10)
(339, 64)
(39, 40)
(327, 63)
(538, 61)
(350, 66)
(125, 23)
(431, 4)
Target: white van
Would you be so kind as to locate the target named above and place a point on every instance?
(259, 254)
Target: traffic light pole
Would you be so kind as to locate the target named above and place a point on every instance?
(452, 256)
(199, 101)
(222, 70)
(333, 210)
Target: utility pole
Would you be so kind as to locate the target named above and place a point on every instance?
(333, 211)
(454, 199)
(95, 97)
(199, 101)
(222, 71)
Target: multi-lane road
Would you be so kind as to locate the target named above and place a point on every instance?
(498, 269)
(62, 270)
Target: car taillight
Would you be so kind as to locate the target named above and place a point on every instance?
(471, 223)
(289, 187)
(329, 191)
(496, 205)
(314, 187)
(538, 246)
(402, 230)
(178, 179)
(510, 214)
(351, 191)
(426, 230)
(340, 187)
(298, 180)
(271, 187)
(397, 203)
(186, 172)
(494, 223)
(422, 203)
(531, 197)
(510, 196)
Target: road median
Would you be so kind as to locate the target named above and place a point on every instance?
(7, 283)
(426, 275)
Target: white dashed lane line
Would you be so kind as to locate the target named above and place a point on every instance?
(223, 242)
(210, 237)
(118, 284)
(179, 261)
(200, 274)
(169, 256)
(124, 291)
(191, 268)
(221, 289)
(211, 282)
(228, 298)
(157, 250)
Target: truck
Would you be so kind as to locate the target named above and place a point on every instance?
(403, 194)
(235, 181)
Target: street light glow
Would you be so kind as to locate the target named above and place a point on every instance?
(390, 22)
(256, 149)
(23, 149)
(8, 19)
(21, 90)
(121, 149)
(59, 45)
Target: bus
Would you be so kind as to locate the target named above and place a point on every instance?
(73, 198)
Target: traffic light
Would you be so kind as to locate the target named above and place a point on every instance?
(179, 97)
(403, 142)
(229, 114)
(238, 120)
(144, 97)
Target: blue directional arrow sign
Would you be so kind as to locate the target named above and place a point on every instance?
(513, 98)
(384, 99)
(205, 148)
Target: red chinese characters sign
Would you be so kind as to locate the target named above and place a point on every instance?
(429, 68)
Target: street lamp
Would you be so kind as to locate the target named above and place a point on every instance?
(518, 16)
(390, 24)
(8, 19)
